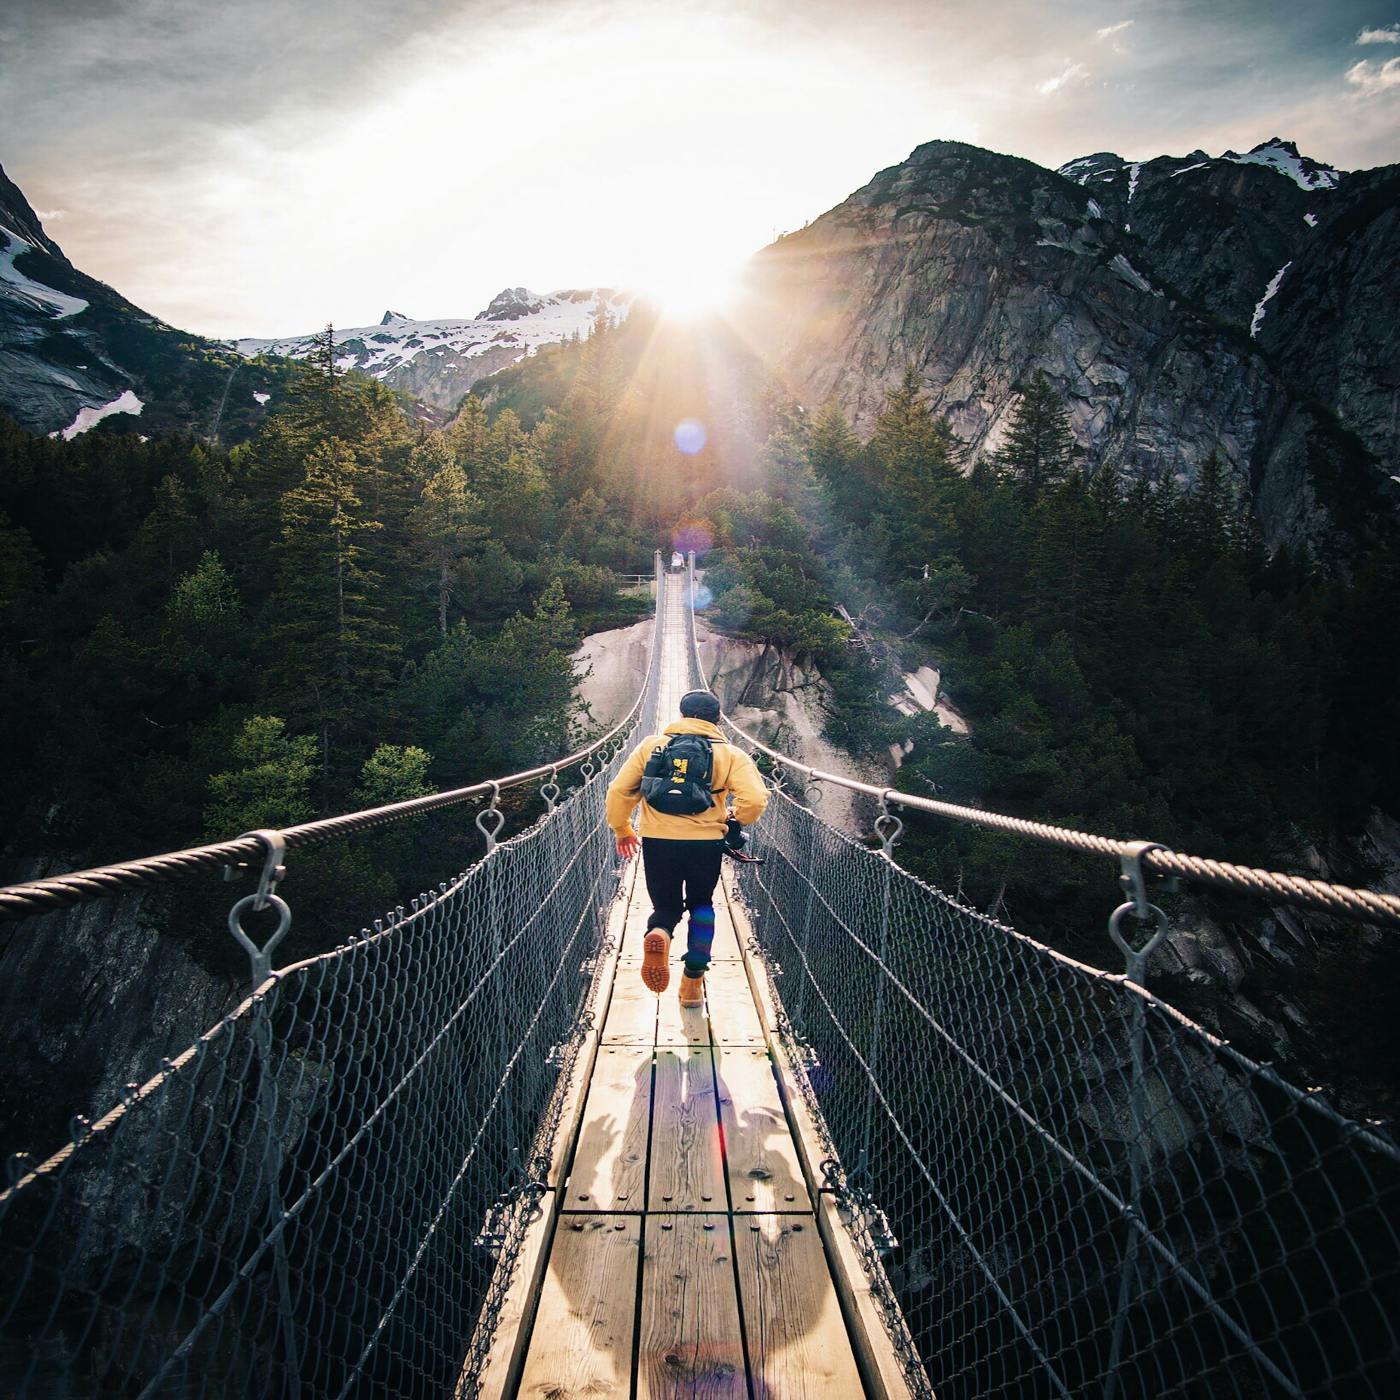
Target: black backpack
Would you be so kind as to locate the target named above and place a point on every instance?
(676, 779)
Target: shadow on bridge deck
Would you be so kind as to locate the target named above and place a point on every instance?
(686, 1258)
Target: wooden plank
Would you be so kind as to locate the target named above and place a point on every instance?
(610, 1161)
(691, 1346)
(726, 944)
(581, 1345)
(761, 1159)
(733, 1015)
(632, 1014)
(678, 1025)
(879, 1359)
(798, 1347)
(687, 1170)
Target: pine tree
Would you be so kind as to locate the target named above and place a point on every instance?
(1039, 447)
(1211, 518)
(1106, 491)
(22, 590)
(170, 535)
(1066, 584)
(832, 448)
(321, 357)
(270, 786)
(331, 649)
(443, 527)
(914, 451)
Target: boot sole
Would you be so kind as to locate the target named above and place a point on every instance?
(656, 974)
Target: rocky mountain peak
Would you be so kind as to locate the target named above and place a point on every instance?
(1085, 168)
(391, 317)
(1284, 157)
(511, 304)
(19, 218)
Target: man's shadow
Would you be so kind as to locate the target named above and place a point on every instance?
(687, 1340)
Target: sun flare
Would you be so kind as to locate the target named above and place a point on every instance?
(696, 288)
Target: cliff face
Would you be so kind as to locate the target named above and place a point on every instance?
(92, 998)
(1334, 324)
(980, 270)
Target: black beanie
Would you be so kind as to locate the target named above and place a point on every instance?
(700, 704)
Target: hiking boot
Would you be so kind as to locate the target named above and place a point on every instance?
(656, 951)
(692, 991)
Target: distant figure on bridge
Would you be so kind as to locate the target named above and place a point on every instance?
(684, 779)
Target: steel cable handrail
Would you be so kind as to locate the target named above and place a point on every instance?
(1343, 900)
(102, 881)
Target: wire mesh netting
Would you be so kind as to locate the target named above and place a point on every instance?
(1070, 1188)
(327, 1191)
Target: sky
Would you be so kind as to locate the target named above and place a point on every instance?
(261, 167)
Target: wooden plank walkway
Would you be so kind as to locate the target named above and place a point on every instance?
(684, 1247)
(686, 1258)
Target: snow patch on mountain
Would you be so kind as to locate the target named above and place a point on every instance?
(125, 402)
(1079, 170)
(1131, 275)
(1275, 282)
(515, 324)
(39, 297)
(1283, 156)
(1102, 165)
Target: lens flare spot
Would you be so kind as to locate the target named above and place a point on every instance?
(692, 535)
(690, 436)
(702, 597)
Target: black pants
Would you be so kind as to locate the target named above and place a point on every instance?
(681, 875)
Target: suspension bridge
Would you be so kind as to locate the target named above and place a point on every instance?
(902, 1149)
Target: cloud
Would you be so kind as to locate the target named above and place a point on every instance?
(51, 216)
(1070, 74)
(1371, 78)
(1109, 30)
(1389, 35)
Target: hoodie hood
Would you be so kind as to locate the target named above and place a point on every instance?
(702, 727)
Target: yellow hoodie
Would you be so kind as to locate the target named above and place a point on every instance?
(733, 775)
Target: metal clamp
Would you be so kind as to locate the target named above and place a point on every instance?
(550, 791)
(1134, 883)
(264, 897)
(491, 830)
(888, 827)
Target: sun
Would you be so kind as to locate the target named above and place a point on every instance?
(691, 288)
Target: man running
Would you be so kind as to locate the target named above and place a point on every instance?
(683, 778)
